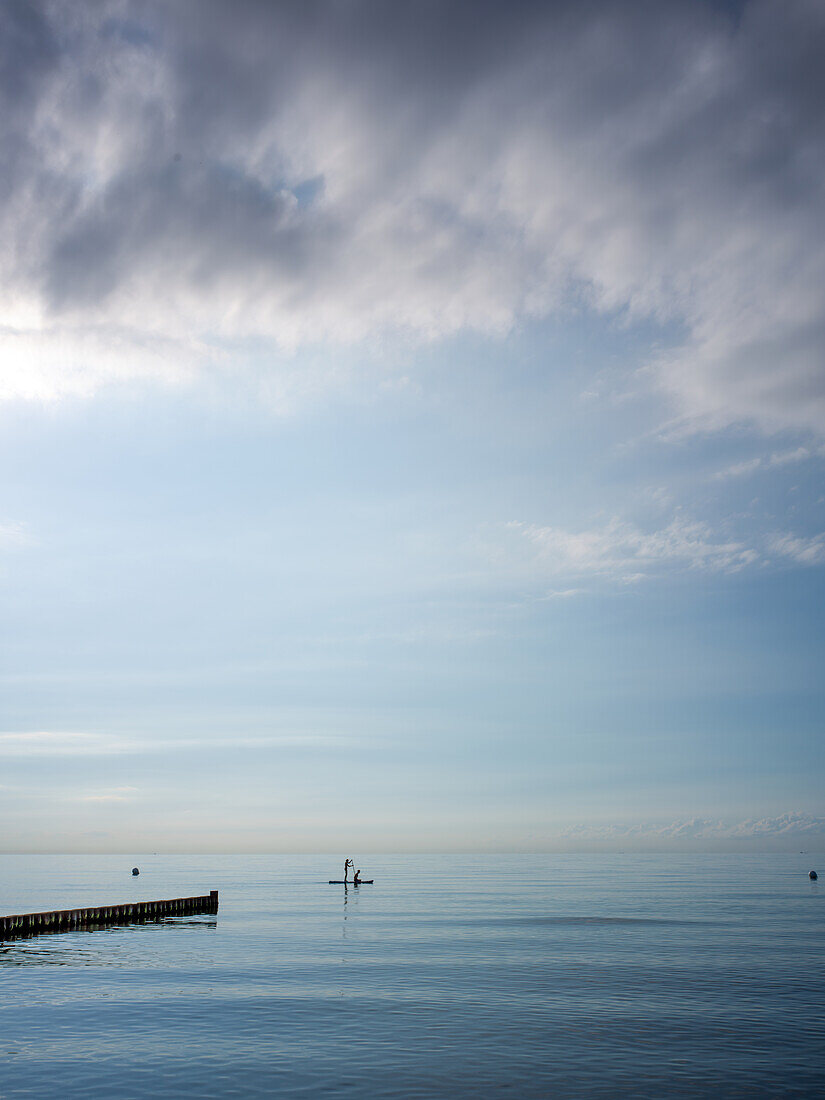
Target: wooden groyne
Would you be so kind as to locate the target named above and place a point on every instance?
(101, 916)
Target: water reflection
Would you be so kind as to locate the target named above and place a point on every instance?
(546, 976)
(78, 948)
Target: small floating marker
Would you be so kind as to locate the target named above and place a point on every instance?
(813, 876)
(136, 870)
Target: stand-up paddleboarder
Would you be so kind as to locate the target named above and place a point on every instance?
(347, 864)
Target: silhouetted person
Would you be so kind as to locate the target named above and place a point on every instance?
(347, 864)
(357, 880)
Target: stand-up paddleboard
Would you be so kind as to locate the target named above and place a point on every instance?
(361, 882)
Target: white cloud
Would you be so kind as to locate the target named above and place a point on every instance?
(59, 743)
(67, 743)
(806, 551)
(790, 825)
(739, 469)
(111, 794)
(54, 361)
(621, 551)
(771, 461)
(181, 176)
(12, 534)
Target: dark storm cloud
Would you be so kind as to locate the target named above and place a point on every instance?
(28, 57)
(215, 221)
(325, 170)
(30, 50)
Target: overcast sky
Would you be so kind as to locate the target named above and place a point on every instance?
(412, 425)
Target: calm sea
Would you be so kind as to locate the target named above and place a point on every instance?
(519, 976)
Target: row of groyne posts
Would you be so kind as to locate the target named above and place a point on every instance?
(101, 916)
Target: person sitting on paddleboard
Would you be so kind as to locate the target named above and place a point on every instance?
(357, 880)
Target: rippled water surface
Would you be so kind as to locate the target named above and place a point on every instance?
(523, 976)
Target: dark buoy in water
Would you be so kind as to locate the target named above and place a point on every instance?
(135, 870)
(813, 876)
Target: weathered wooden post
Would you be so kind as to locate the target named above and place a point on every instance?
(61, 920)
